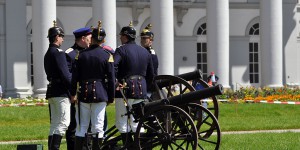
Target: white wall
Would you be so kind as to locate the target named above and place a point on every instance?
(189, 21)
(239, 19)
(290, 49)
(185, 47)
(73, 18)
(2, 47)
(239, 61)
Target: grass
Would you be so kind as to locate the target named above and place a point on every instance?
(261, 141)
(32, 123)
(240, 117)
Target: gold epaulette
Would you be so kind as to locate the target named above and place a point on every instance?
(76, 58)
(111, 58)
(152, 51)
(69, 50)
(60, 50)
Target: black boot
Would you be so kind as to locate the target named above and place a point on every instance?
(97, 143)
(79, 142)
(49, 141)
(127, 140)
(70, 139)
(54, 142)
(88, 141)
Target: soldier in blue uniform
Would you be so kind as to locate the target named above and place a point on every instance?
(57, 94)
(82, 41)
(134, 70)
(147, 38)
(95, 74)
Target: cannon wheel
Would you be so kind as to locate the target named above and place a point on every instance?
(215, 107)
(168, 90)
(206, 127)
(184, 87)
(162, 130)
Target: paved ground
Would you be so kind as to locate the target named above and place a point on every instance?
(228, 132)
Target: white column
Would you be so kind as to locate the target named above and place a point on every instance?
(105, 10)
(271, 43)
(163, 28)
(43, 14)
(16, 49)
(218, 39)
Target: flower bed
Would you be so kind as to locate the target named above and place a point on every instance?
(283, 94)
(6, 102)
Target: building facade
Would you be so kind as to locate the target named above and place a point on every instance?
(245, 42)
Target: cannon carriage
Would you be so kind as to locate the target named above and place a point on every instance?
(163, 85)
(174, 120)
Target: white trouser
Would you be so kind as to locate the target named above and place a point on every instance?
(60, 115)
(121, 117)
(93, 112)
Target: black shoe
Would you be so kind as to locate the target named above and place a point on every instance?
(97, 143)
(127, 140)
(79, 142)
(54, 142)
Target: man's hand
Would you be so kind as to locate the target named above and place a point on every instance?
(74, 99)
(119, 87)
(109, 102)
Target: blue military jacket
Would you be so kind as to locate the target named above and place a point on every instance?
(154, 59)
(133, 64)
(71, 53)
(94, 71)
(57, 72)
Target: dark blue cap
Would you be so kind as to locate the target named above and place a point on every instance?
(82, 32)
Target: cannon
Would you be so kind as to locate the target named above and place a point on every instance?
(174, 120)
(179, 115)
(166, 123)
(164, 84)
(184, 98)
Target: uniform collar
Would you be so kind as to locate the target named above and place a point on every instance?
(53, 45)
(94, 46)
(130, 42)
(148, 48)
(76, 46)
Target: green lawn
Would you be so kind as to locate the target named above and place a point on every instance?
(250, 116)
(32, 123)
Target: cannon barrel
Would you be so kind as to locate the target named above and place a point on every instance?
(186, 76)
(187, 97)
(191, 75)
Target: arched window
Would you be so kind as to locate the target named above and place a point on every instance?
(202, 29)
(202, 50)
(254, 66)
(254, 30)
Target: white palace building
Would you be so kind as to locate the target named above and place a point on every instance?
(245, 42)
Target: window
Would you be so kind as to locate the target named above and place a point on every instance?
(31, 64)
(254, 54)
(202, 29)
(202, 50)
(31, 61)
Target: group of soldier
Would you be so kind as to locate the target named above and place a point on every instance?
(90, 75)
